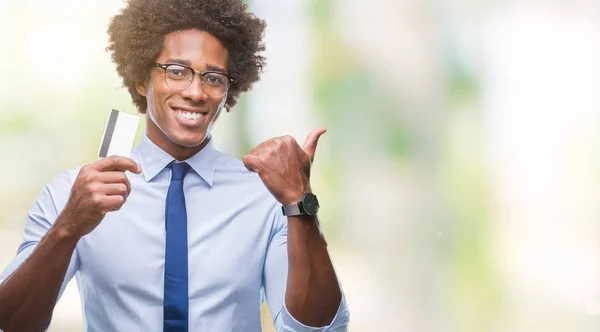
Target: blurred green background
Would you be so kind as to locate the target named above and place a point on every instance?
(459, 176)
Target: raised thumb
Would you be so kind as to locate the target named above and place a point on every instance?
(310, 144)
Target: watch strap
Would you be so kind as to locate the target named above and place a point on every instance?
(291, 210)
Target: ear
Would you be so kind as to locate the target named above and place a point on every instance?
(142, 88)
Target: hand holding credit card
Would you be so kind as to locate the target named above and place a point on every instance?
(103, 186)
(100, 187)
(119, 134)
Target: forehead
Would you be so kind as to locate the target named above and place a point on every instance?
(200, 48)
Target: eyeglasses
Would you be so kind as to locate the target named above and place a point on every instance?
(179, 77)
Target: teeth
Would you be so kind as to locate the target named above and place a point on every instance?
(190, 116)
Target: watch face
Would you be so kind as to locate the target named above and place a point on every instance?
(310, 204)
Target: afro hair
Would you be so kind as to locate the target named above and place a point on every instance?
(136, 39)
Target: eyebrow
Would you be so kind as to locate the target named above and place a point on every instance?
(209, 67)
(212, 67)
(180, 62)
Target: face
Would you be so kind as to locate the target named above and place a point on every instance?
(179, 121)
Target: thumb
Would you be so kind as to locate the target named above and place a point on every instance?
(310, 145)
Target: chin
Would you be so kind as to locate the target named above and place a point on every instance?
(188, 141)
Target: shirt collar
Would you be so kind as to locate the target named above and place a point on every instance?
(153, 160)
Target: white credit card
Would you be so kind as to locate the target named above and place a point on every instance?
(119, 134)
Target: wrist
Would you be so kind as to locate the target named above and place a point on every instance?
(304, 219)
(294, 196)
(308, 204)
(65, 231)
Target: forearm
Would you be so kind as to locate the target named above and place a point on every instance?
(313, 293)
(28, 296)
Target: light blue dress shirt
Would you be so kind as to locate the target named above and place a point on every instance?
(237, 238)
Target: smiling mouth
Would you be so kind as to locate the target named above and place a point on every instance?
(190, 115)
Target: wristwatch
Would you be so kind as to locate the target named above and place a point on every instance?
(307, 206)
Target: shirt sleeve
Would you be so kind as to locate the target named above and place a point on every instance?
(41, 216)
(275, 280)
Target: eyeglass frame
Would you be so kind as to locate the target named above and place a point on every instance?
(164, 67)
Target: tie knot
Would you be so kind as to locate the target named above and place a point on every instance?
(179, 170)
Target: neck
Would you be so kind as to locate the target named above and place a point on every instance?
(179, 152)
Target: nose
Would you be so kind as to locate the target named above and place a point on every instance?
(195, 92)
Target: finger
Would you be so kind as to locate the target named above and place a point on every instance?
(117, 163)
(262, 151)
(252, 162)
(111, 189)
(113, 202)
(113, 177)
(310, 145)
(265, 145)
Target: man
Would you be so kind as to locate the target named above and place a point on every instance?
(181, 237)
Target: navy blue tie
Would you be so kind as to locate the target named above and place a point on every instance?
(176, 254)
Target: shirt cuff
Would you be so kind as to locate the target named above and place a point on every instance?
(338, 324)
